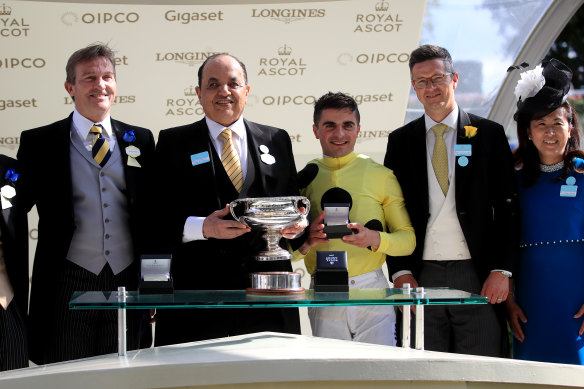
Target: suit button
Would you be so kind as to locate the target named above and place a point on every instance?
(102, 174)
(107, 220)
(107, 252)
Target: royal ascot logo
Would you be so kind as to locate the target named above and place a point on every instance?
(381, 20)
(190, 58)
(186, 105)
(11, 27)
(22, 63)
(192, 17)
(287, 15)
(117, 100)
(345, 59)
(70, 18)
(284, 64)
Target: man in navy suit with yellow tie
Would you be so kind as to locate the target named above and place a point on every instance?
(87, 176)
(456, 173)
(202, 167)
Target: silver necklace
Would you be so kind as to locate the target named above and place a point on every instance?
(551, 168)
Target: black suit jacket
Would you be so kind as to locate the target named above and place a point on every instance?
(218, 264)
(44, 156)
(14, 228)
(204, 188)
(485, 192)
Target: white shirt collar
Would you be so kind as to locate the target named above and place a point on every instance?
(82, 125)
(215, 128)
(451, 120)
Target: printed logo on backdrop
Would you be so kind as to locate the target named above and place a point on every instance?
(380, 19)
(71, 18)
(186, 104)
(130, 99)
(282, 64)
(192, 17)
(367, 135)
(391, 58)
(190, 58)
(22, 63)
(12, 26)
(288, 15)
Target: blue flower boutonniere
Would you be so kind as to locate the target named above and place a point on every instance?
(132, 151)
(7, 192)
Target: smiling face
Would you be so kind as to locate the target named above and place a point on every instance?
(94, 89)
(337, 131)
(223, 90)
(550, 135)
(438, 100)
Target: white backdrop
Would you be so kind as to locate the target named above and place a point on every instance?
(294, 53)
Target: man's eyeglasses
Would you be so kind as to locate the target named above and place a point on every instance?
(435, 80)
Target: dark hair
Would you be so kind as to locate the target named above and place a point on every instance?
(88, 53)
(429, 52)
(526, 155)
(200, 72)
(336, 100)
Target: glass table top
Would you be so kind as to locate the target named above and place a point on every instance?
(239, 299)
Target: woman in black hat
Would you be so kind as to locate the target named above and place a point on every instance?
(546, 311)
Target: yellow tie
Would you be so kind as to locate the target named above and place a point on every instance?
(440, 157)
(230, 161)
(100, 149)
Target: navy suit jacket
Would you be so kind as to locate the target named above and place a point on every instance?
(485, 192)
(44, 156)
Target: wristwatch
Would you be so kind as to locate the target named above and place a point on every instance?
(506, 273)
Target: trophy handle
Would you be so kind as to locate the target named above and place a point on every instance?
(304, 202)
(232, 206)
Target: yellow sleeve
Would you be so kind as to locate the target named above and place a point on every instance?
(401, 239)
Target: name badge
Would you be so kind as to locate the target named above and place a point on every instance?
(460, 150)
(568, 190)
(200, 158)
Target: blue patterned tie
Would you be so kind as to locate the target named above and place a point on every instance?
(100, 149)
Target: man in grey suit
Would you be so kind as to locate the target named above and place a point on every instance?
(86, 175)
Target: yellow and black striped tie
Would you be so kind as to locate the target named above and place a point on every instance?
(440, 157)
(100, 149)
(230, 161)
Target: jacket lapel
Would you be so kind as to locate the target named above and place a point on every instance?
(255, 138)
(462, 172)
(420, 162)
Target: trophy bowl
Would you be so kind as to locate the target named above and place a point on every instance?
(270, 214)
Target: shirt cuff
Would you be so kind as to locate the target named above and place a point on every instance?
(193, 229)
(399, 274)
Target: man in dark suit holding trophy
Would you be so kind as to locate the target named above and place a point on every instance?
(206, 165)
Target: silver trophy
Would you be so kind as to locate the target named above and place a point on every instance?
(270, 214)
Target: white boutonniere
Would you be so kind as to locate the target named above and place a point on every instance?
(7, 192)
(265, 155)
